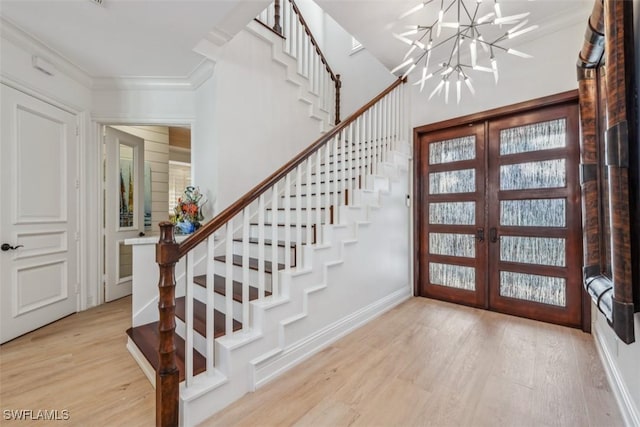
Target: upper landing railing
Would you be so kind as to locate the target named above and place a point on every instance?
(284, 18)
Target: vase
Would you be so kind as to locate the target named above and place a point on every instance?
(186, 227)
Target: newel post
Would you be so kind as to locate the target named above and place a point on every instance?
(276, 27)
(167, 375)
(338, 86)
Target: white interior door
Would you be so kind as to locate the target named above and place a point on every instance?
(38, 213)
(124, 208)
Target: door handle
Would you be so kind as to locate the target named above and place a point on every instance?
(7, 247)
(493, 235)
(141, 234)
(480, 234)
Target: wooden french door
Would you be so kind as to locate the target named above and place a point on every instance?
(499, 215)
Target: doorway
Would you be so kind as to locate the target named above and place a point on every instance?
(498, 213)
(137, 198)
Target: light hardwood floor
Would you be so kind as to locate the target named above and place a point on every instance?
(423, 363)
(79, 364)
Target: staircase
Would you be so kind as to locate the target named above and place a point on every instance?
(314, 251)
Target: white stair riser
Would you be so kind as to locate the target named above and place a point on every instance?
(323, 185)
(254, 276)
(279, 216)
(268, 249)
(253, 232)
(200, 293)
(314, 202)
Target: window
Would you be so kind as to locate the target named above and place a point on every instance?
(179, 179)
(355, 45)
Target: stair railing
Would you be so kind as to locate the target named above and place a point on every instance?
(284, 18)
(330, 170)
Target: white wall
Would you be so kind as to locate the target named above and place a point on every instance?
(256, 123)
(551, 70)
(623, 361)
(362, 75)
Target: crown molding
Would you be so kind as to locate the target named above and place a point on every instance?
(13, 33)
(193, 81)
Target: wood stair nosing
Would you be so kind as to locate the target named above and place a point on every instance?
(200, 318)
(268, 242)
(146, 338)
(253, 263)
(313, 208)
(220, 287)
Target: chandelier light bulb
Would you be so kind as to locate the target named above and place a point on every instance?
(446, 92)
(458, 92)
(467, 81)
(494, 68)
(437, 89)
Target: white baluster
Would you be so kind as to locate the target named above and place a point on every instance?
(228, 309)
(261, 256)
(188, 320)
(308, 165)
(287, 221)
(274, 239)
(210, 332)
(246, 213)
(358, 144)
(317, 192)
(351, 148)
(345, 165)
(338, 179)
(327, 187)
(298, 250)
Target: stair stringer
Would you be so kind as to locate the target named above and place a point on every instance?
(305, 93)
(312, 311)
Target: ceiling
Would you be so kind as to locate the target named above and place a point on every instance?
(123, 37)
(155, 38)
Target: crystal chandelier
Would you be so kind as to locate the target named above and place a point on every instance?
(463, 18)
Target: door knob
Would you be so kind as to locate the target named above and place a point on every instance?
(7, 247)
(141, 234)
(493, 235)
(480, 234)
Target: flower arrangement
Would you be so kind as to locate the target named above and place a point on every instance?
(188, 211)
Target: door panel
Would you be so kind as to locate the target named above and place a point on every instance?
(534, 259)
(452, 231)
(499, 213)
(39, 213)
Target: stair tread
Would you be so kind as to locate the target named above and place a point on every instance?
(253, 263)
(268, 242)
(313, 208)
(200, 318)
(146, 338)
(220, 287)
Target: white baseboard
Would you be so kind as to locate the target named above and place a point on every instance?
(268, 368)
(630, 413)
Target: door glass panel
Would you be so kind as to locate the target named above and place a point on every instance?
(533, 213)
(462, 245)
(531, 287)
(127, 173)
(452, 150)
(458, 181)
(456, 213)
(545, 174)
(453, 276)
(533, 250)
(534, 137)
(125, 259)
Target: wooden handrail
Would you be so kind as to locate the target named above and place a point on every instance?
(212, 226)
(334, 77)
(313, 40)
